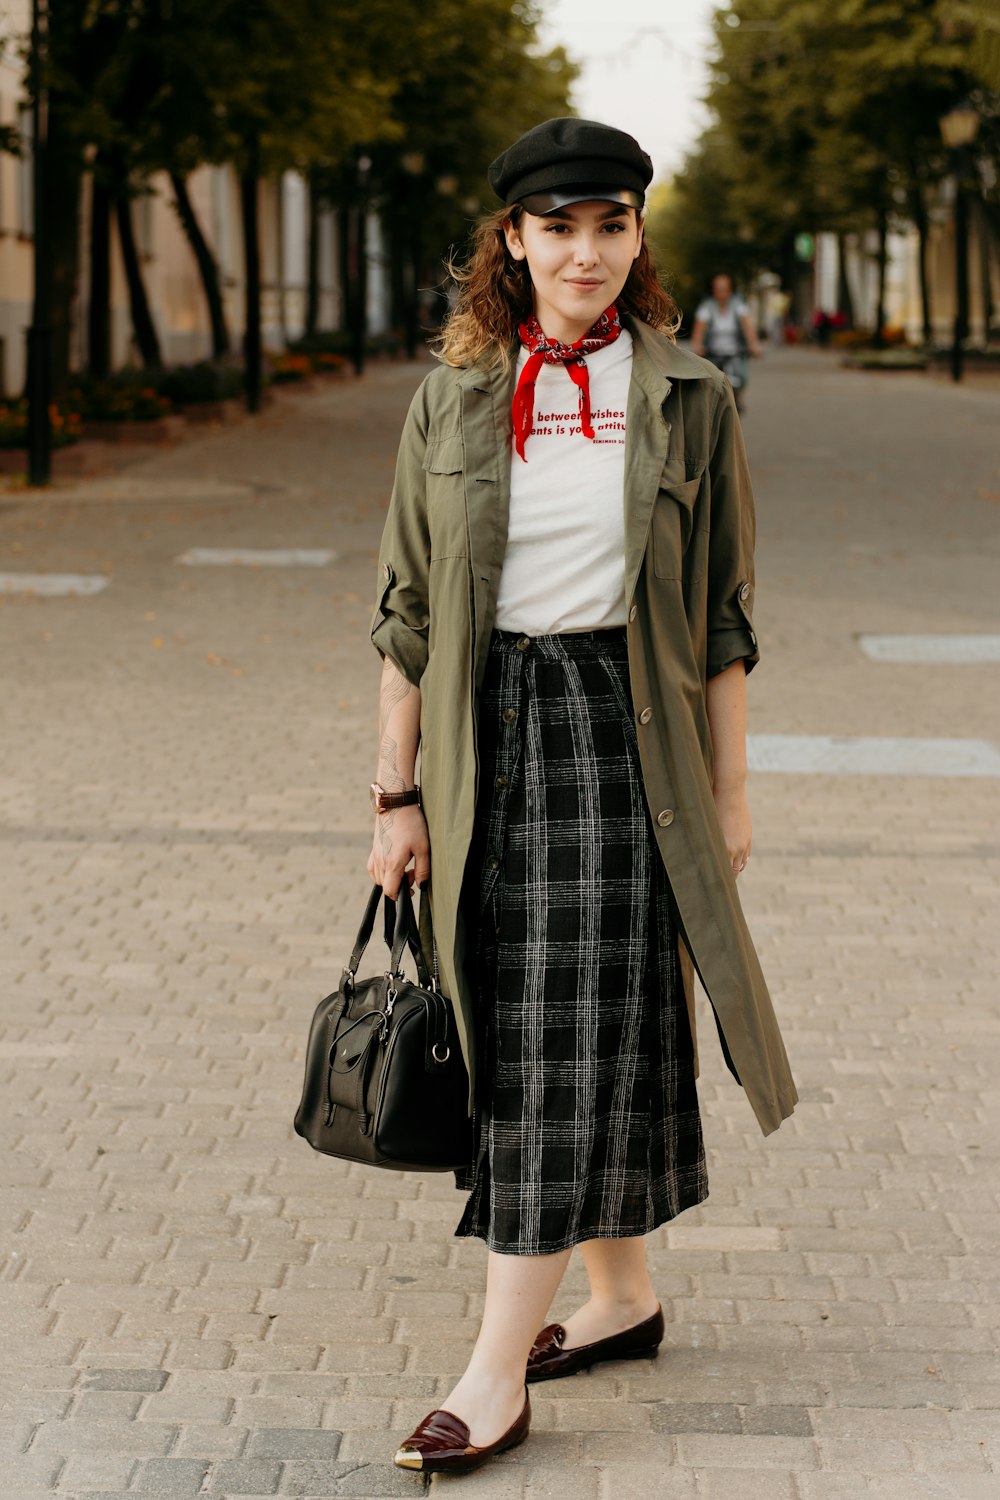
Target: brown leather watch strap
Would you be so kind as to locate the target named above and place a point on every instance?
(383, 801)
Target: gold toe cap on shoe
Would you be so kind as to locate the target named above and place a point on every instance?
(406, 1458)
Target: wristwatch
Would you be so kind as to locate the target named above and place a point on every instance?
(383, 801)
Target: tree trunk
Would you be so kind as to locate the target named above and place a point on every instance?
(208, 266)
(344, 264)
(143, 326)
(252, 352)
(845, 301)
(983, 239)
(919, 211)
(883, 257)
(99, 309)
(61, 206)
(312, 271)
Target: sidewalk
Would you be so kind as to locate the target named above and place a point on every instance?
(195, 1304)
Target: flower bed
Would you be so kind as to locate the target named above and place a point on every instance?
(284, 368)
(66, 425)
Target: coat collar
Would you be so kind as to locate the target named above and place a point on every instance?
(656, 364)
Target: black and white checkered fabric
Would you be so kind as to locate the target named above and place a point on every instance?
(590, 1112)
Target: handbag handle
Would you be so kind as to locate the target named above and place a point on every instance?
(400, 933)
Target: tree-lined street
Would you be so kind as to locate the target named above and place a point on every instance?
(195, 1304)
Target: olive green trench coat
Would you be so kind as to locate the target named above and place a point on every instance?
(689, 534)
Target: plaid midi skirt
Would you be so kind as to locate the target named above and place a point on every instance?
(588, 1111)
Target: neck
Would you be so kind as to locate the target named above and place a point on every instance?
(563, 331)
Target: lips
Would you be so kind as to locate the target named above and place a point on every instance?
(583, 285)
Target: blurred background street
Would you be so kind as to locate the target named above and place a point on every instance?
(194, 1303)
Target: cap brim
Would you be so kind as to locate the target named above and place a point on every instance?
(555, 198)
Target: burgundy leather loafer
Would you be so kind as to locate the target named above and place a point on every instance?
(440, 1445)
(548, 1359)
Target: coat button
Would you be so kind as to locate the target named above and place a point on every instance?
(645, 716)
(493, 862)
(524, 642)
(744, 591)
(501, 782)
(386, 571)
(632, 613)
(666, 817)
(509, 715)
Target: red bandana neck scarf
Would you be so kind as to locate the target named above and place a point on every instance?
(544, 351)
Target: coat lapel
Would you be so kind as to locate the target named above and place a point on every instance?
(486, 399)
(656, 364)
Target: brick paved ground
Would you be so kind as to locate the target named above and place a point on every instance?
(193, 1303)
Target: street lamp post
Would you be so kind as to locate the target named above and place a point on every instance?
(39, 339)
(958, 131)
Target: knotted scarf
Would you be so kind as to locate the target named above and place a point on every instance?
(545, 351)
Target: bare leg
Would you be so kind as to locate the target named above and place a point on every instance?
(621, 1293)
(519, 1289)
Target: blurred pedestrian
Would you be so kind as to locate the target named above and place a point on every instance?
(564, 615)
(724, 333)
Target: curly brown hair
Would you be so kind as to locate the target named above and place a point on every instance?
(495, 295)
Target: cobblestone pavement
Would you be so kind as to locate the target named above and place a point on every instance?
(194, 1303)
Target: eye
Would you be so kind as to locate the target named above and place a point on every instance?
(614, 227)
(556, 228)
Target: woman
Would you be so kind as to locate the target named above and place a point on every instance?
(564, 616)
(724, 332)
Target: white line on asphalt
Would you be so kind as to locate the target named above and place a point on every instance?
(840, 755)
(931, 648)
(257, 557)
(52, 583)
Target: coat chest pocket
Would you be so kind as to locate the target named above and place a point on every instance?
(444, 465)
(673, 524)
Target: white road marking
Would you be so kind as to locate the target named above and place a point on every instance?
(52, 583)
(841, 755)
(257, 557)
(931, 648)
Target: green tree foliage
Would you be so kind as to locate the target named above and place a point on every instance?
(137, 87)
(825, 118)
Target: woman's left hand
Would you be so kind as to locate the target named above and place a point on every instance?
(734, 820)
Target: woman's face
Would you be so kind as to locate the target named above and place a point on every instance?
(579, 258)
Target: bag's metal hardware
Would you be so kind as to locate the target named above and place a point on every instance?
(434, 1053)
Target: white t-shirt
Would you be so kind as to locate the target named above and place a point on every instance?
(564, 568)
(722, 331)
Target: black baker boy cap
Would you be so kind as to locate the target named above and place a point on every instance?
(571, 161)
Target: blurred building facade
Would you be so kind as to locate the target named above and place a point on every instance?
(904, 304)
(173, 285)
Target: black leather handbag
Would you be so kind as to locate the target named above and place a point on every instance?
(386, 1083)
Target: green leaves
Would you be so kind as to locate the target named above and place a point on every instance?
(826, 118)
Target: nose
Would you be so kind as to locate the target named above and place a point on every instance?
(586, 252)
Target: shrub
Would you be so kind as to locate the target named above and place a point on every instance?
(126, 396)
(66, 425)
(190, 385)
(286, 367)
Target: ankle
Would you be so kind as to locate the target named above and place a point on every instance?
(489, 1381)
(639, 1301)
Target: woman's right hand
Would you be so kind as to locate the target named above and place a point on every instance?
(400, 835)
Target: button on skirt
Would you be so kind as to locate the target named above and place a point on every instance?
(588, 1111)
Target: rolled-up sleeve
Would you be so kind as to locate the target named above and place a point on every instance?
(400, 622)
(731, 635)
